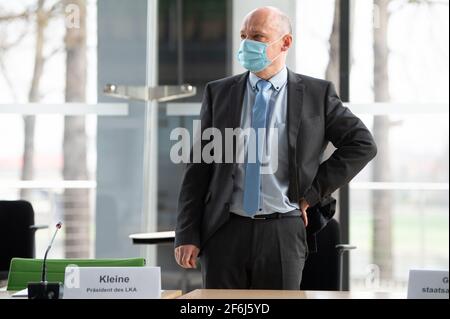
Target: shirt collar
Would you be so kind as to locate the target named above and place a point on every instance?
(277, 81)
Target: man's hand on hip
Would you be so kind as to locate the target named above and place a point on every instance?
(303, 207)
(186, 256)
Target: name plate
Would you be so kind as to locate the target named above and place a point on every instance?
(428, 284)
(112, 283)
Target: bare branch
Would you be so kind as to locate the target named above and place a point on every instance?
(13, 17)
(5, 46)
(51, 12)
(7, 79)
(55, 8)
(53, 52)
(405, 3)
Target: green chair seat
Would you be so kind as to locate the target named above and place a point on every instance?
(24, 270)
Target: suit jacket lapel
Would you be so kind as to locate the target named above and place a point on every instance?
(294, 105)
(237, 92)
(234, 110)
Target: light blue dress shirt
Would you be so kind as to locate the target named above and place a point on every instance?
(274, 187)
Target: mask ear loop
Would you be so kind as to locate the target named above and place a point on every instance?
(269, 44)
(273, 60)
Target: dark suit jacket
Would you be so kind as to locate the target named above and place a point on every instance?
(315, 117)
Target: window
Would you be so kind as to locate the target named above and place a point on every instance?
(35, 152)
(399, 203)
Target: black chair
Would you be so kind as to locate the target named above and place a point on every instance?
(323, 269)
(17, 232)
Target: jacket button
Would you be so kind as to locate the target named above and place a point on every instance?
(227, 206)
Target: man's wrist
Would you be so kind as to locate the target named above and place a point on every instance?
(186, 238)
(312, 197)
(303, 203)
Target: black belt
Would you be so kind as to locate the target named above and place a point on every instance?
(292, 213)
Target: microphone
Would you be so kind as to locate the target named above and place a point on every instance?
(44, 289)
(44, 266)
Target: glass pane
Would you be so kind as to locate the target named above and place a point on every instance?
(193, 48)
(50, 160)
(122, 59)
(399, 203)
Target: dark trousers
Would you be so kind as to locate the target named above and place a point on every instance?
(255, 254)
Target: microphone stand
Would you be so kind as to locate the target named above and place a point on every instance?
(44, 289)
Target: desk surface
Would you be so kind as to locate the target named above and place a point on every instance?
(287, 294)
(166, 294)
(153, 238)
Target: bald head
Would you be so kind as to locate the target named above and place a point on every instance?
(272, 27)
(270, 21)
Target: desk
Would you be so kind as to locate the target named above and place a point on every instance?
(153, 238)
(166, 294)
(287, 294)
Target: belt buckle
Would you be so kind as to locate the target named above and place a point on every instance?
(259, 218)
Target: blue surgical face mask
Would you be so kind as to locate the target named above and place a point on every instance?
(252, 55)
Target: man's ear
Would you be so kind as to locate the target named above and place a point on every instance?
(287, 42)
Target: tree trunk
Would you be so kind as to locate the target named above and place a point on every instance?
(382, 200)
(33, 96)
(332, 71)
(76, 201)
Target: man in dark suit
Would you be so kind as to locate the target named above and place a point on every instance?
(249, 227)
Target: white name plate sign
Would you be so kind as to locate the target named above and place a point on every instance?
(112, 283)
(428, 284)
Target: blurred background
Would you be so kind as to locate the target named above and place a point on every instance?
(89, 169)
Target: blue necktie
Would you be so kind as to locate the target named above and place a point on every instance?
(252, 182)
